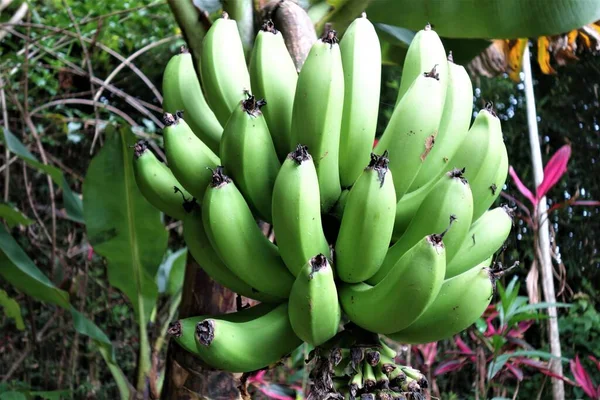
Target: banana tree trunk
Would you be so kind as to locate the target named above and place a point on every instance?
(185, 375)
(545, 262)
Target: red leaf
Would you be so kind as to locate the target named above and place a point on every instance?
(517, 372)
(522, 188)
(462, 346)
(554, 170)
(448, 366)
(582, 378)
(585, 203)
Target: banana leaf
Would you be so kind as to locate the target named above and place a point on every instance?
(487, 19)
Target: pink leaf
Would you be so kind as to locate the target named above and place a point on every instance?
(595, 361)
(582, 378)
(554, 170)
(517, 372)
(522, 188)
(586, 203)
(259, 377)
(448, 366)
(273, 395)
(462, 346)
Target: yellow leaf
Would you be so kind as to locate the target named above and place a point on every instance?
(515, 58)
(543, 55)
(571, 37)
(586, 40)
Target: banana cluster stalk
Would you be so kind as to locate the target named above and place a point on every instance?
(395, 241)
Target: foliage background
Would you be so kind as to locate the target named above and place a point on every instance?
(49, 355)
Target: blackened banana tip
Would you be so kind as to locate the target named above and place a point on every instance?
(205, 332)
(175, 329)
(219, 178)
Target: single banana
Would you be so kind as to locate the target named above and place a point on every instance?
(461, 300)
(411, 131)
(414, 281)
(449, 201)
(273, 76)
(383, 382)
(248, 154)
(361, 59)
(246, 346)
(454, 125)
(182, 91)
(188, 157)
(317, 113)
(425, 51)
(480, 155)
(485, 237)
(238, 240)
(368, 376)
(356, 383)
(368, 219)
(297, 211)
(223, 68)
(489, 196)
(157, 183)
(199, 246)
(183, 331)
(482, 176)
(314, 309)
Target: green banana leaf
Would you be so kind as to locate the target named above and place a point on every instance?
(125, 229)
(20, 271)
(12, 309)
(73, 205)
(487, 19)
(13, 217)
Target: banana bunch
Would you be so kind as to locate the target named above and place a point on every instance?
(397, 240)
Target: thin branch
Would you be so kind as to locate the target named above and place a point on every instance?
(112, 109)
(9, 162)
(6, 151)
(24, 109)
(135, 103)
(105, 48)
(16, 18)
(32, 203)
(88, 62)
(133, 56)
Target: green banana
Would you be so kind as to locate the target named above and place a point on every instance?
(416, 375)
(182, 91)
(238, 240)
(297, 211)
(368, 376)
(157, 183)
(485, 237)
(461, 300)
(273, 76)
(361, 59)
(386, 350)
(482, 175)
(449, 201)
(246, 346)
(480, 155)
(317, 113)
(248, 154)
(454, 125)
(489, 196)
(383, 382)
(188, 157)
(314, 309)
(414, 281)
(411, 131)
(368, 219)
(356, 383)
(223, 68)
(199, 246)
(338, 209)
(425, 51)
(183, 331)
